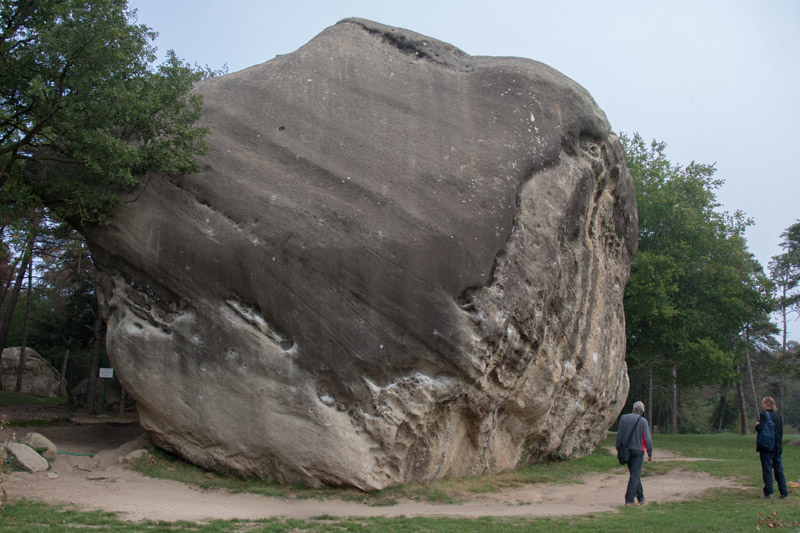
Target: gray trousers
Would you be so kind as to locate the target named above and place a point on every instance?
(635, 490)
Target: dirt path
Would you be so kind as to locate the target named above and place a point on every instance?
(101, 483)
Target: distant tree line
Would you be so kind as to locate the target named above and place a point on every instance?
(700, 343)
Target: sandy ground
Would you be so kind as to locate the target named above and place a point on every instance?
(101, 482)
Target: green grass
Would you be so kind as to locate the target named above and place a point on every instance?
(733, 455)
(716, 510)
(163, 465)
(720, 510)
(166, 466)
(8, 398)
(37, 423)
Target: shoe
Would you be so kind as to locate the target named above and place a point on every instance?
(784, 496)
(641, 502)
(766, 496)
(632, 504)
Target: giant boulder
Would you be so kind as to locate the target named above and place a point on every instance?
(398, 263)
(39, 377)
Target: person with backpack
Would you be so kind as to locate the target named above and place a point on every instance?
(769, 445)
(633, 434)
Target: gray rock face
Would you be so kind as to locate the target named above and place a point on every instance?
(37, 441)
(399, 262)
(27, 457)
(40, 378)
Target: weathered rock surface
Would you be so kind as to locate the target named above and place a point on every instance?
(37, 441)
(40, 378)
(27, 457)
(399, 262)
(107, 392)
(127, 451)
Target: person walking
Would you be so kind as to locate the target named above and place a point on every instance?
(634, 433)
(771, 462)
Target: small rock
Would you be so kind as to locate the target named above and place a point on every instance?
(134, 455)
(52, 475)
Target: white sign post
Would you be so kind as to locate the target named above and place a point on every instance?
(106, 374)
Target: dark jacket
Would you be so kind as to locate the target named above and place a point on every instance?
(778, 421)
(626, 424)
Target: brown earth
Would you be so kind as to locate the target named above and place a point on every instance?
(101, 482)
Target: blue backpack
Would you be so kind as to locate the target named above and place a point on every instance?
(765, 442)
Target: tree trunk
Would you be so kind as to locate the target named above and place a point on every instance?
(650, 398)
(782, 385)
(24, 343)
(94, 366)
(783, 315)
(756, 401)
(7, 283)
(674, 429)
(8, 309)
(62, 379)
(745, 427)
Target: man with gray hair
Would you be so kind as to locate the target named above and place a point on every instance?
(634, 433)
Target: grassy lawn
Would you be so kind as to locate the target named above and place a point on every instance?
(716, 510)
(165, 466)
(8, 398)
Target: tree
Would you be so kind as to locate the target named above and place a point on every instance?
(693, 284)
(793, 355)
(785, 272)
(9, 304)
(757, 337)
(83, 110)
(24, 344)
(63, 306)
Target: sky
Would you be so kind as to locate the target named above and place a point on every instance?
(717, 80)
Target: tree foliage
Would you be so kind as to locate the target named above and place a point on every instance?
(84, 110)
(63, 302)
(785, 273)
(81, 98)
(694, 286)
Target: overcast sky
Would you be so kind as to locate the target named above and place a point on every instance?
(718, 81)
